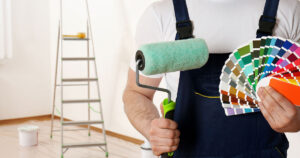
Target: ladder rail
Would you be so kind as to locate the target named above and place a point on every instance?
(62, 87)
(55, 80)
(88, 71)
(95, 64)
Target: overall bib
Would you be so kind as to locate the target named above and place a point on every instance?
(205, 130)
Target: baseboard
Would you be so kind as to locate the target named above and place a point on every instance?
(24, 119)
(48, 117)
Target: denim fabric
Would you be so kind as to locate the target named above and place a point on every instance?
(205, 130)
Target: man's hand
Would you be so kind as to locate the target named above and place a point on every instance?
(280, 113)
(164, 136)
(144, 116)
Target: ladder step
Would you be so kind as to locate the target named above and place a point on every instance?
(69, 123)
(73, 145)
(72, 85)
(78, 79)
(78, 129)
(77, 58)
(75, 39)
(81, 101)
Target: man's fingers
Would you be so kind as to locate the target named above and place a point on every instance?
(265, 111)
(262, 107)
(269, 102)
(272, 111)
(158, 150)
(266, 114)
(280, 113)
(277, 105)
(271, 106)
(166, 124)
(164, 133)
(164, 136)
(157, 141)
(270, 118)
(280, 99)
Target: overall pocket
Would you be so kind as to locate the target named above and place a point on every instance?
(207, 86)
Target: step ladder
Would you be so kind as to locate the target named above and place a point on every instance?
(89, 59)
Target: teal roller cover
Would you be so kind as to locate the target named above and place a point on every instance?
(172, 56)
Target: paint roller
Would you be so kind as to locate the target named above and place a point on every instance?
(80, 35)
(180, 55)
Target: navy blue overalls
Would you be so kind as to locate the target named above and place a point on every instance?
(205, 130)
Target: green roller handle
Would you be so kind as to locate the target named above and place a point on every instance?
(169, 109)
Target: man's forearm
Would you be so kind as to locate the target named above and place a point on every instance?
(140, 111)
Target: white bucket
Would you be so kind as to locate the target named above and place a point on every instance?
(28, 135)
(146, 150)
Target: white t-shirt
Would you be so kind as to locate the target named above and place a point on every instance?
(224, 24)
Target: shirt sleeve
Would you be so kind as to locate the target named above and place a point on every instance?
(295, 33)
(148, 30)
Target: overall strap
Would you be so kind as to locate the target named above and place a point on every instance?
(184, 25)
(268, 20)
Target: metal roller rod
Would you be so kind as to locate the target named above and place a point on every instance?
(147, 86)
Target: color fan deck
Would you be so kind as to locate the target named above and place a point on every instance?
(267, 57)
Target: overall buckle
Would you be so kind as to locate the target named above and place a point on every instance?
(266, 25)
(184, 29)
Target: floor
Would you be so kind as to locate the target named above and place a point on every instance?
(50, 148)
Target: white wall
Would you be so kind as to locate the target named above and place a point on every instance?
(294, 139)
(25, 79)
(5, 30)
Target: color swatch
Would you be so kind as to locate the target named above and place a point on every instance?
(260, 58)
